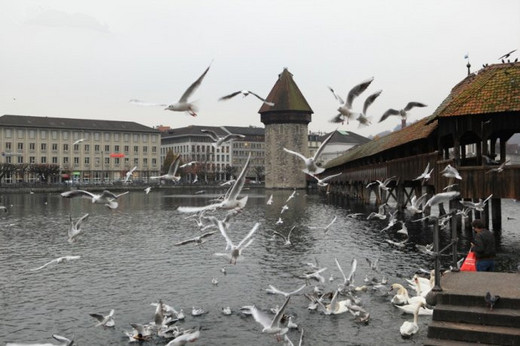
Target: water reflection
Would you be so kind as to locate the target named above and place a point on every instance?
(128, 261)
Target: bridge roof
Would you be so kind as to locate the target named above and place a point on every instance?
(493, 89)
(413, 132)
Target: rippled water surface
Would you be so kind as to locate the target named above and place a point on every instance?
(128, 260)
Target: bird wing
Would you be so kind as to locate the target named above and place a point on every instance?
(227, 97)
(248, 236)
(222, 228)
(337, 119)
(350, 278)
(211, 133)
(412, 104)
(279, 314)
(46, 264)
(262, 99)
(193, 87)
(280, 235)
(240, 181)
(322, 146)
(330, 224)
(388, 113)
(295, 153)
(98, 317)
(370, 99)
(146, 104)
(261, 317)
(173, 167)
(80, 220)
(77, 193)
(187, 241)
(357, 90)
(121, 194)
(62, 339)
(232, 136)
(207, 234)
(341, 270)
(336, 96)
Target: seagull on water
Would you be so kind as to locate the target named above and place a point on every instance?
(148, 189)
(226, 311)
(245, 93)
(172, 171)
(286, 238)
(187, 336)
(218, 140)
(402, 112)
(106, 197)
(75, 228)
(105, 321)
(270, 326)
(345, 109)
(310, 162)
(182, 105)
(57, 260)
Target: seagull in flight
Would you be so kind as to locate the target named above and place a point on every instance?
(105, 321)
(498, 169)
(188, 164)
(325, 228)
(505, 56)
(245, 93)
(402, 112)
(106, 197)
(78, 141)
(129, 174)
(270, 200)
(57, 260)
(271, 326)
(235, 250)
(172, 171)
(310, 162)
(75, 228)
(345, 108)
(286, 238)
(426, 175)
(274, 290)
(323, 182)
(148, 189)
(183, 105)
(218, 141)
(441, 198)
(451, 172)
(199, 240)
(363, 119)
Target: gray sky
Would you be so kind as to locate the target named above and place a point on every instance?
(87, 59)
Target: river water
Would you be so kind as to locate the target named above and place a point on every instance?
(128, 260)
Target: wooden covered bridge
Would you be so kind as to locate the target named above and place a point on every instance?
(469, 131)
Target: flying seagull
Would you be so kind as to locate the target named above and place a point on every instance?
(235, 250)
(245, 93)
(75, 228)
(218, 141)
(182, 105)
(106, 197)
(129, 174)
(505, 56)
(57, 260)
(172, 171)
(104, 321)
(345, 108)
(78, 141)
(363, 119)
(310, 162)
(271, 326)
(402, 112)
(323, 182)
(199, 240)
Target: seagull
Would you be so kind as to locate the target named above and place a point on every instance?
(182, 105)
(270, 200)
(402, 112)
(415, 206)
(75, 228)
(279, 221)
(291, 196)
(287, 238)
(505, 56)
(274, 290)
(441, 198)
(199, 240)
(140, 332)
(78, 141)
(310, 162)
(129, 174)
(426, 174)
(374, 265)
(188, 164)
(186, 337)
(451, 172)
(106, 197)
(218, 141)
(231, 200)
(172, 171)
(345, 109)
(198, 311)
(316, 275)
(403, 230)
(477, 206)
(147, 190)
(236, 250)
(347, 280)
(381, 213)
(498, 169)
(491, 300)
(105, 321)
(245, 93)
(399, 244)
(363, 119)
(271, 326)
(291, 324)
(226, 311)
(58, 260)
(284, 208)
(326, 228)
(323, 182)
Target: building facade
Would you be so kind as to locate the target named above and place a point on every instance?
(87, 151)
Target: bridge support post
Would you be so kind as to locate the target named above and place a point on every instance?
(496, 215)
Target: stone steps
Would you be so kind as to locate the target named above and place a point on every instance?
(494, 335)
(477, 315)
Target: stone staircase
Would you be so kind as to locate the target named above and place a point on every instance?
(461, 315)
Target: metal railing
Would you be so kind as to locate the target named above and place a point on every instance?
(453, 245)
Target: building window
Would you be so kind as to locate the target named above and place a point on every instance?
(96, 148)
(76, 160)
(136, 149)
(54, 134)
(87, 148)
(126, 137)
(127, 148)
(116, 160)
(65, 160)
(54, 146)
(107, 148)
(136, 138)
(154, 139)
(8, 133)
(21, 134)
(65, 135)
(76, 147)
(65, 147)
(43, 159)
(32, 159)
(145, 149)
(107, 136)
(55, 159)
(32, 134)
(154, 149)
(136, 162)
(43, 146)
(116, 148)
(7, 145)
(20, 146)
(43, 134)
(96, 136)
(8, 159)
(87, 160)
(154, 162)
(107, 161)
(116, 137)
(20, 159)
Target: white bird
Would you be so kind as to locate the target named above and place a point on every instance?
(140, 332)
(347, 280)
(271, 326)
(198, 311)
(416, 204)
(284, 208)
(270, 200)
(325, 228)
(323, 182)
(399, 244)
(441, 198)
(425, 249)
(315, 275)
(279, 221)
(236, 250)
(226, 311)
(362, 118)
(498, 169)
(245, 93)
(402, 112)
(182, 105)
(411, 308)
(187, 336)
(410, 328)
(188, 164)
(172, 171)
(383, 185)
(106, 197)
(291, 196)
(58, 260)
(63, 341)
(476, 206)
(310, 162)
(426, 175)
(75, 228)
(231, 200)
(199, 240)
(105, 321)
(218, 141)
(345, 109)
(380, 214)
(403, 230)
(401, 296)
(286, 238)
(451, 172)
(129, 174)
(78, 141)
(214, 281)
(449, 187)
(148, 189)
(291, 324)
(274, 290)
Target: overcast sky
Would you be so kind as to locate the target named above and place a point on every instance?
(87, 59)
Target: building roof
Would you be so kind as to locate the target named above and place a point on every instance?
(493, 89)
(348, 137)
(195, 130)
(413, 132)
(286, 96)
(72, 124)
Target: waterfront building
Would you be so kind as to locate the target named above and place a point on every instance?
(86, 151)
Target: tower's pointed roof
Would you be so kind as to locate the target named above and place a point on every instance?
(286, 96)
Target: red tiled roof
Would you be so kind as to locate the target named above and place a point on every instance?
(493, 89)
(286, 96)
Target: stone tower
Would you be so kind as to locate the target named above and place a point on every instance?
(285, 127)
